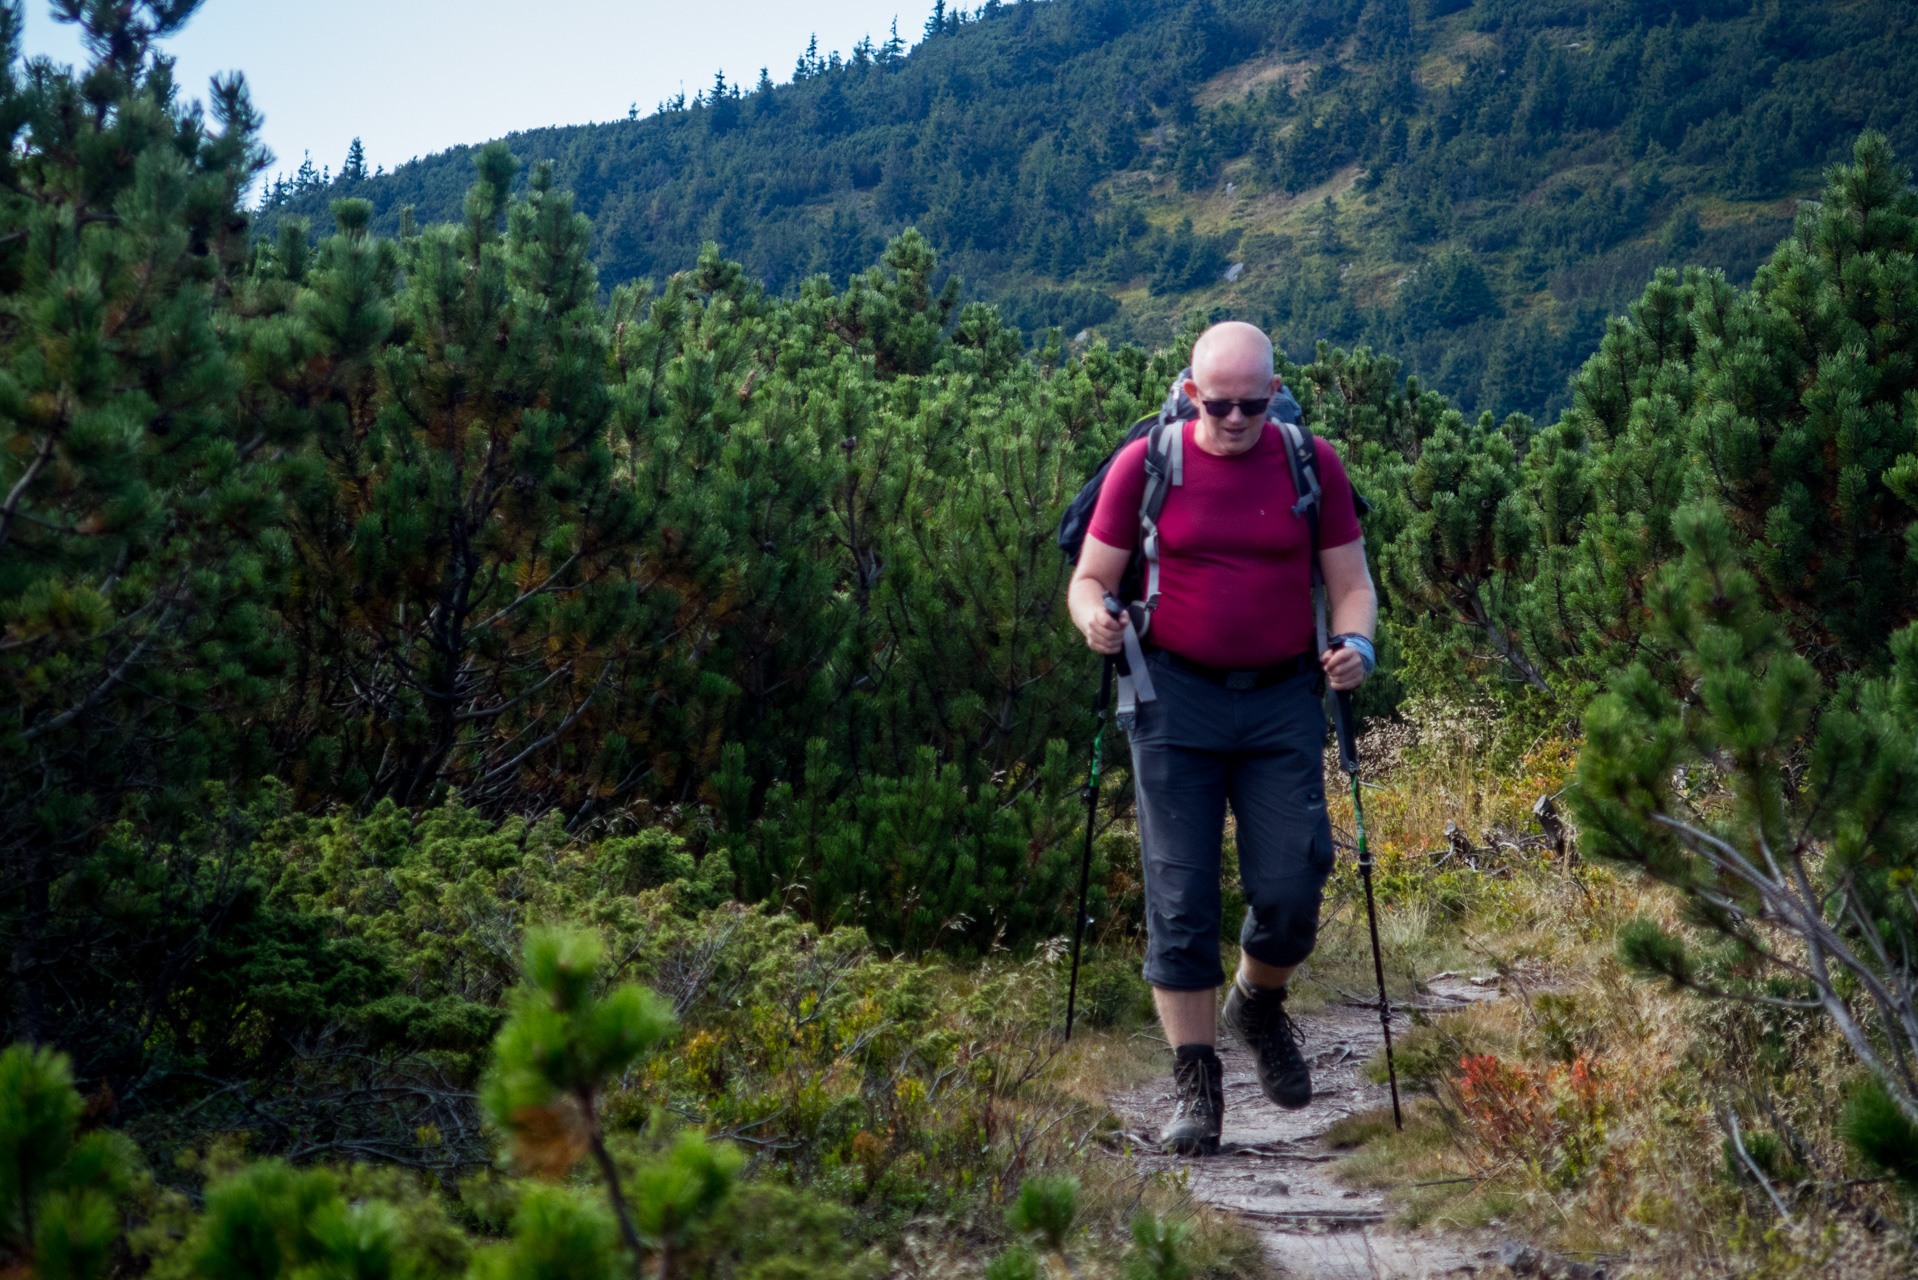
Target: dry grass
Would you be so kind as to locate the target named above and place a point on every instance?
(1099, 1066)
(1589, 1119)
(1581, 1110)
(1068, 1102)
(1249, 77)
(1051, 1116)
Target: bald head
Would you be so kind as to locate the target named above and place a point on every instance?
(1231, 367)
(1232, 358)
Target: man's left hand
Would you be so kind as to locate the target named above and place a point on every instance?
(1344, 668)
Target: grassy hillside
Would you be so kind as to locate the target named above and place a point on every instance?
(1473, 185)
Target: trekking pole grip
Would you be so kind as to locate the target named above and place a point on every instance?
(1117, 660)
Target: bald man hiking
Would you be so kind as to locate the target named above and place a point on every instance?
(1230, 709)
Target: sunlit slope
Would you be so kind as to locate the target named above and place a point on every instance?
(1473, 186)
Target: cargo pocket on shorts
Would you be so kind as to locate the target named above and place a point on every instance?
(1320, 854)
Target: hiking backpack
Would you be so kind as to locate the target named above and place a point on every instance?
(1165, 470)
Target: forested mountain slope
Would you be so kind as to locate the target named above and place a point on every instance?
(1472, 185)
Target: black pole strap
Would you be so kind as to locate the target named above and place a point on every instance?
(1348, 742)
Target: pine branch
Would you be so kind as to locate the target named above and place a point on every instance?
(15, 494)
(113, 680)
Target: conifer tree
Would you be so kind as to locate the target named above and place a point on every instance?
(1756, 750)
(562, 1044)
(354, 170)
(59, 1191)
(138, 547)
(269, 1220)
(954, 626)
(1158, 1249)
(729, 462)
(1460, 549)
(64, 1194)
(722, 105)
(1787, 818)
(830, 113)
(557, 1234)
(460, 572)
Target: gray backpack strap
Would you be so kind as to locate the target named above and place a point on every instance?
(1302, 454)
(1135, 678)
(1164, 471)
(1178, 406)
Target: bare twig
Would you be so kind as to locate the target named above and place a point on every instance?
(1751, 1166)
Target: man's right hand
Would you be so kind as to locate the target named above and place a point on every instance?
(1100, 569)
(1103, 632)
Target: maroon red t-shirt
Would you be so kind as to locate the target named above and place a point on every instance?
(1235, 580)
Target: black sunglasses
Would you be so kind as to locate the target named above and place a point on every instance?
(1223, 408)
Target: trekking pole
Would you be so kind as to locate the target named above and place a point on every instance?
(1349, 761)
(1092, 814)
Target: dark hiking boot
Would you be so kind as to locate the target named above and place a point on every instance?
(1198, 1077)
(1256, 1015)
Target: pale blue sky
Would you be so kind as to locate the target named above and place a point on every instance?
(411, 77)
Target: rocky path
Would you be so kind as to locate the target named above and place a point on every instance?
(1274, 1167)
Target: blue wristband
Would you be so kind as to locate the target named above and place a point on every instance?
(1359, 645)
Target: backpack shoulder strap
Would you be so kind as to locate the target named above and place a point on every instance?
(1302, 451)
(1164, 465)
(1164, 471)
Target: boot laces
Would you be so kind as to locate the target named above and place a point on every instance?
(1273, 1025)
(1195, 1088)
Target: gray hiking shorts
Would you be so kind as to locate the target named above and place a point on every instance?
(1197, 747)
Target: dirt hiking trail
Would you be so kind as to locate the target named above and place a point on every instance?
(1273, 1167)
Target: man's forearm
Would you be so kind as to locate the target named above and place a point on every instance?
(1356, 613)
(1085, 594)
